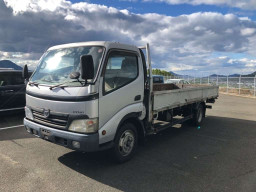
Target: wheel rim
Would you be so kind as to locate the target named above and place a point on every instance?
(126, 143)
(200, 115)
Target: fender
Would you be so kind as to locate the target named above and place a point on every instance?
(130, 111)
(134, 118)
(196, 105)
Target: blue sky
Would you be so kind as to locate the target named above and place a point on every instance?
(186, 36)
(171, 10)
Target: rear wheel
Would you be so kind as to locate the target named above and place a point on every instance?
(125, 143)
(199, 115)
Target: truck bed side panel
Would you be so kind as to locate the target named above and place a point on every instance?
(169, 99)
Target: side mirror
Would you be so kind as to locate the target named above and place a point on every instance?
(74, 75)
(87, 67)
(25, 72)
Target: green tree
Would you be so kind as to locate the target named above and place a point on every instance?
(160, 72)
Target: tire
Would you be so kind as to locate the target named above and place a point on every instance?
(199, 115)
(125, 143)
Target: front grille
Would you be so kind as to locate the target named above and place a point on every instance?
(55, 120)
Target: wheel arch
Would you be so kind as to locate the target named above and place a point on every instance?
(133, 118)
(197, 104)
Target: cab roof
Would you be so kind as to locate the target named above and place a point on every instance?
(106, 44)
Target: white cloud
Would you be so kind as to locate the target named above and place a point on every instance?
(248, 31)
(184, 42)
(243, 4)
(36, 5)
(21, 58)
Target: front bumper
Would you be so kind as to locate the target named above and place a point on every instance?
(88, 142)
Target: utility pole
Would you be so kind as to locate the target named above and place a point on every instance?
(239, 84)
(227, 83)
(254, 85)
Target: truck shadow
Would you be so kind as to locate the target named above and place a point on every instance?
(184, 159)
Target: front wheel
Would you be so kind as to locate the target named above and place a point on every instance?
(125, 143)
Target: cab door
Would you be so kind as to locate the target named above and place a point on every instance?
(19, 90)
(4, 90)
(12, 90)
(121, 84)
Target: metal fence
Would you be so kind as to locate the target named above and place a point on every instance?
(233, 85)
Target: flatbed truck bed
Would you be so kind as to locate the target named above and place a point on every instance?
(169, 96)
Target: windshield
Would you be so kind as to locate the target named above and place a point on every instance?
(56, 65)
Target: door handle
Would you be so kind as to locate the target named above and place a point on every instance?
(137, 97)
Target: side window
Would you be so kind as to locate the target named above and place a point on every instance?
(17, 79)
(2, 82)
(156, 79)
(121, 69)
(10, 78)
(4, 79)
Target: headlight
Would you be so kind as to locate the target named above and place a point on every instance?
(84, 125)
(28, 113)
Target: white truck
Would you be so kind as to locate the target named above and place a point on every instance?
(93, 96)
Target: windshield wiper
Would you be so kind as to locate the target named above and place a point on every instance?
(62, 85)
(59, 86)
(33, 83)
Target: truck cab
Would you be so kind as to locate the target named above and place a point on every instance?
(85, 114)
(93, 96)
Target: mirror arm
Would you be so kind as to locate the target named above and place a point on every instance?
(80, 82)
